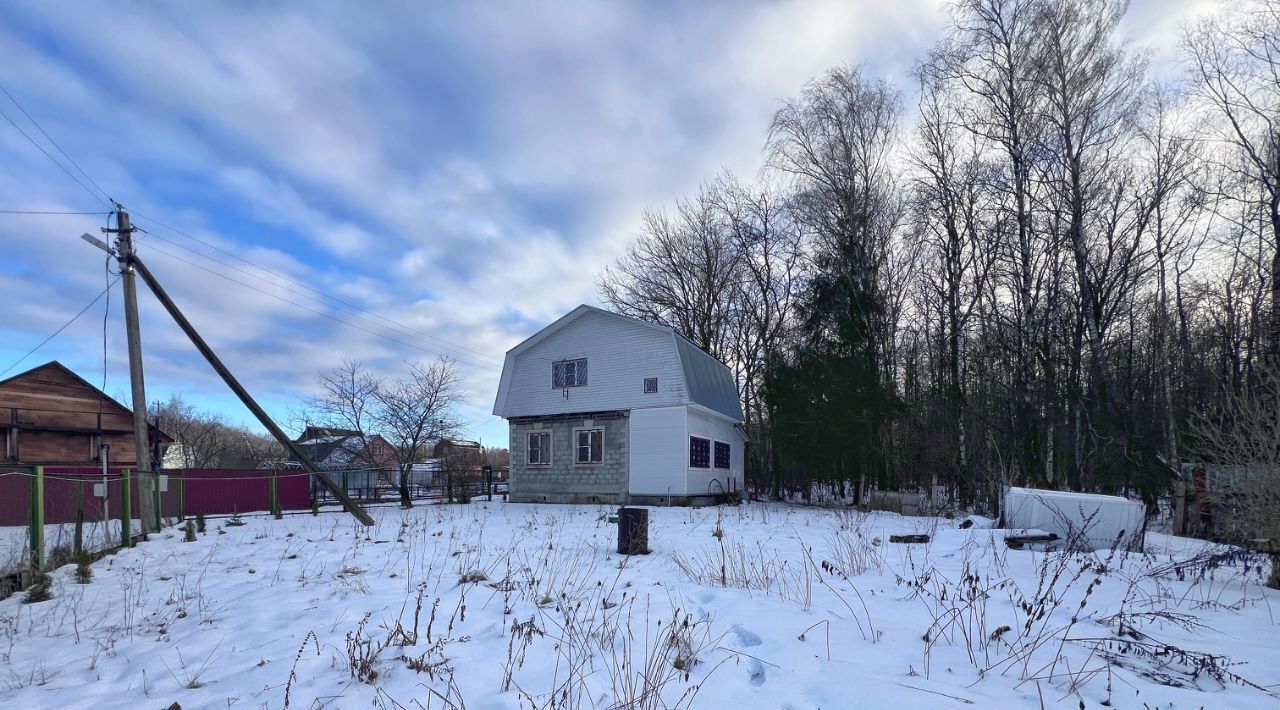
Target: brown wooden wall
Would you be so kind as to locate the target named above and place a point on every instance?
(48, 415)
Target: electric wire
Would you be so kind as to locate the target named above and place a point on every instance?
(40, 128)
(50, 157)
(475, 356)
(99, 212)
(314, 310)
(311, 289)
(60, 329)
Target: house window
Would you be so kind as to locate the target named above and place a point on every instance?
(722, 455)
(650, 385)
(699, 452)
(590, 445)
(538, 449)
(377, 448)
(569, 373)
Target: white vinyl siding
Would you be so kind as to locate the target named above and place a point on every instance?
(708, 425)
(621, 353)
(659, 455)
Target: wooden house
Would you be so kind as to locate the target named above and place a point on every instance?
(49, 415)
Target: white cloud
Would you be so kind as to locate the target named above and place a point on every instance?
(465, 170)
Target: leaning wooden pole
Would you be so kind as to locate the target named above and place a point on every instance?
(350, 505)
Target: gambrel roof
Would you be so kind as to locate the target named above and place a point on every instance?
(707, 381)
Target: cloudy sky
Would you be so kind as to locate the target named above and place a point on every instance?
(384, 182)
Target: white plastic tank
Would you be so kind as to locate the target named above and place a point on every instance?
(1083, 521)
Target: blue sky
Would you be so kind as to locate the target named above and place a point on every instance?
(464, 170)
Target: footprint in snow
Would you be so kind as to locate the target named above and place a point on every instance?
(755, 669)
(745, 638)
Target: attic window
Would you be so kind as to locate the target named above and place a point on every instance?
(569, 373)
(377, 448)
(650, 385)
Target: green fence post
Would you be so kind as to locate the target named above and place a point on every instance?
(79, 537)
(182, 496)
(155, 477)
(37, 519)
(126, 512)
(275, 497)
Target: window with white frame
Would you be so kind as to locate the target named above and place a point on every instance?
(722, 455)
(589, 445)
(699, 452)
(538, 448)
(569, 373)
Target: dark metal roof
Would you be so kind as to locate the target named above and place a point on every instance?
(709, 381)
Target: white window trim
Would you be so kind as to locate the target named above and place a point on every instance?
(550, 447)
(576, 462)
(713, 455)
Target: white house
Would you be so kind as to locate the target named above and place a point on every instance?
(610, 409)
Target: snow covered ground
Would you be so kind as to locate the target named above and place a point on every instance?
(495, 605)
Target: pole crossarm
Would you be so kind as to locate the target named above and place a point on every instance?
(350, 505)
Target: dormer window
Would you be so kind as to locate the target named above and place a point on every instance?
(569, 373)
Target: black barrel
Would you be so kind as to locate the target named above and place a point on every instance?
(633, 531)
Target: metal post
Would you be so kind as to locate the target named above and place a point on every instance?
(275, 497)
(37, 519)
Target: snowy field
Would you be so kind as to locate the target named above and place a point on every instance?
(494, 605)
(15, 541)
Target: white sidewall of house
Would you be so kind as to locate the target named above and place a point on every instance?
(710, 426)
(659, 452)
(620, 354)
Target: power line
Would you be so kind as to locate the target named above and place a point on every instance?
(485, 362)
(55, 144)
(476, 356)
(330, 316)
(50, 157)
(99, 212)
(355, 310)
(59, 330)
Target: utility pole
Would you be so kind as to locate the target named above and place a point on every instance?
(130, 265)
(142, 445)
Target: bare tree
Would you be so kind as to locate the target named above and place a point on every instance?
(1235, 58)
(681, 271)
(769, 246)
(416, 409)
(1241, 439)
(201, 439)
(954, 213)
(348, 400)
(992, 57)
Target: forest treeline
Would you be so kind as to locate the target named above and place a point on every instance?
(1049, 268)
